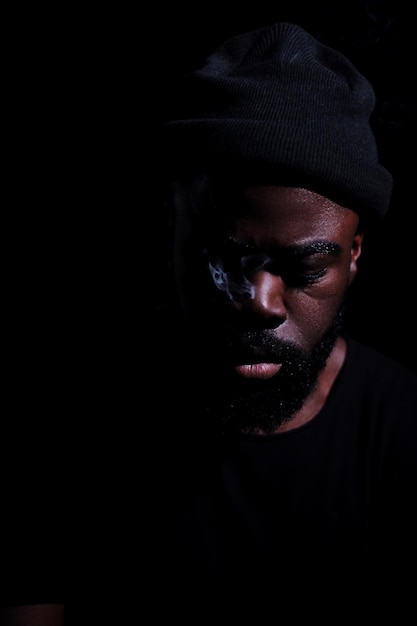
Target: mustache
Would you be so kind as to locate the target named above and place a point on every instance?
(262, 344)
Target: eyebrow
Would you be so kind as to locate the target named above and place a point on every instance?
(314, 247)
(318, 246)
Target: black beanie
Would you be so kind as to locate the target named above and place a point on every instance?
(278, 105)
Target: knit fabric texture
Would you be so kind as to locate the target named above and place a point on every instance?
(277, 106)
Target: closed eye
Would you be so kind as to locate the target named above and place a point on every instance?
(298, 267)
(301, 279)
(296, 273)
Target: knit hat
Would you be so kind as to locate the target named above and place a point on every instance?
(277, 105)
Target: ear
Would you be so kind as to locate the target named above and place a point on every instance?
(355, 253)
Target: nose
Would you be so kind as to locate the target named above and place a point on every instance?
(268, 301)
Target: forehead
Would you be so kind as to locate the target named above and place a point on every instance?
(286, 215)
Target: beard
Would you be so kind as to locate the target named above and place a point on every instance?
(247, 405)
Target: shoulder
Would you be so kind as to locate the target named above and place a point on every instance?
(371, 364)
(384, 389)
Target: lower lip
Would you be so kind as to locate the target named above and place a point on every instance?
(260, 371)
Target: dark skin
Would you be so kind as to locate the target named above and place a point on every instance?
(299, 254)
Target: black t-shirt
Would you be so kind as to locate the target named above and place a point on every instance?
(187, 524)
(322, 513)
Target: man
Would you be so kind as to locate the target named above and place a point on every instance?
(280, 462)
(288, 475)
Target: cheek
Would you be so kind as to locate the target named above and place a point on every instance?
(310, 316)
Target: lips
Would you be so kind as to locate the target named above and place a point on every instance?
(255, 363)
(259, 371)
(255, 355)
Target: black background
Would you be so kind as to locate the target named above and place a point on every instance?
(88, 90)
(84, 259)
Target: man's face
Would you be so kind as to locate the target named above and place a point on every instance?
(262, 274)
